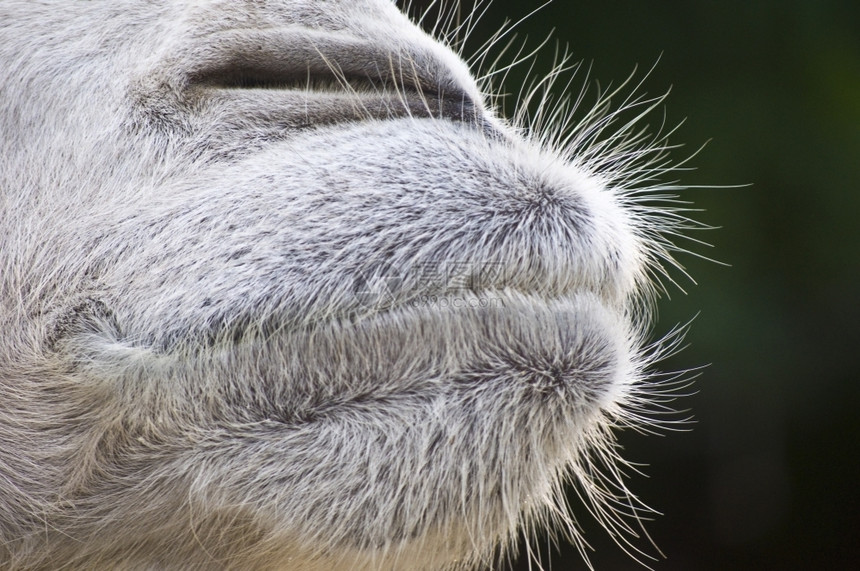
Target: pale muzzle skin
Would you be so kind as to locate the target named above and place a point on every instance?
(279, 289)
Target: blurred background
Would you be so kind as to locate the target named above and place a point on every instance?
(768, 477)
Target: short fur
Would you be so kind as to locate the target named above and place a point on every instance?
(280, 290)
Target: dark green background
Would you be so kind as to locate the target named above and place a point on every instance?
(769, 476)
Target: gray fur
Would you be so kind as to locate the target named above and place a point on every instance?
(280, 290)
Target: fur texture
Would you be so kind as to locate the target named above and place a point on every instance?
(280, 290)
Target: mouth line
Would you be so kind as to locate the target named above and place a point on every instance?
(483, 296)
(377, 310)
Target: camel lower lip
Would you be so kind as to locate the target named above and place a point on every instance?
(572, 347)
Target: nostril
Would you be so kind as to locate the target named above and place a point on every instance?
(327, 64)
(241, 71)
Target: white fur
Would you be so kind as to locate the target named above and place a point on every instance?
(279, 290)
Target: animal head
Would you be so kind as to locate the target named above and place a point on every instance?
(279, 288)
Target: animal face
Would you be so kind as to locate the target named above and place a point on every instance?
(280, 289)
